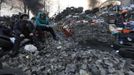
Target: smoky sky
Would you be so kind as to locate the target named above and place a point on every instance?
(92, 3)
(33, 5)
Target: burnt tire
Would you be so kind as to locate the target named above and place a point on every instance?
(118, 46)
(5, 43)
(127, 52)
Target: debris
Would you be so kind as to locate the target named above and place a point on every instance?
(86, 48)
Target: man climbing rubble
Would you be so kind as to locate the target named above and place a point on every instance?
(42, 23)
(22, 29)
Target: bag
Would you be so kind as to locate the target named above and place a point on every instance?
(30, 48)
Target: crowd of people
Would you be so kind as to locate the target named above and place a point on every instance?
(121, 25)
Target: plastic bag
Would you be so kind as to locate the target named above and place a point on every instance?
(12, 40)
(30, 48)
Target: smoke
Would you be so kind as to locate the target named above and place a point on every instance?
(52, 6)
(92, 3)
(33, 5)
(95, 3)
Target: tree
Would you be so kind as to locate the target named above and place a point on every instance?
(33, 5)
(1, 1)
(25, 6)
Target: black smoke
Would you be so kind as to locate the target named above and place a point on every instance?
(92, 3)
(33, 5)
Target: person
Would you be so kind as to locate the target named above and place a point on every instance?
(119, 21)
(5, 31)
(5, 42)
(22, 29)
(42, 22)
(5, 34)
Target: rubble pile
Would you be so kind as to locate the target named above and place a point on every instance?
(67, 11)
(87, 27)
(74, 55)
(74, 61)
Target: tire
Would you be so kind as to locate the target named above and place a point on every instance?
(5, 44)
(118, 46)
(127, 52)
(130, 35)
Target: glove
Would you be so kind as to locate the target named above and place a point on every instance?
(22, 35)
(31, 34)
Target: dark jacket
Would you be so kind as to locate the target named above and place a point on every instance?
(4, 31)
(24, 27)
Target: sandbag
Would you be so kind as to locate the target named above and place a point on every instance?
(30, 48)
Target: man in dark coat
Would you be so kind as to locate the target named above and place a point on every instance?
(5, 34)
(22, 29)
(5, 42)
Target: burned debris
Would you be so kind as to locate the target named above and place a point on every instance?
(91, 42)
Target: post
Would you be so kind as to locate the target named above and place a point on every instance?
(28, 12)
(25, 7)
(58, 6)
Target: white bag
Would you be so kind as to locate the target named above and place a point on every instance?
(30, 48)
(12, 39)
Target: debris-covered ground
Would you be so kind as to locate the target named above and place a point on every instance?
(86, 52)
(71, 61)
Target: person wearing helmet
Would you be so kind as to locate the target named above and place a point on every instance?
(22, 29)
(42, 21)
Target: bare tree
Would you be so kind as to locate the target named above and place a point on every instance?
(33, 5)
(1, 1)
(29, 5)
(25, 6)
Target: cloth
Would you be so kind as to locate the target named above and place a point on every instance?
(41, 22)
